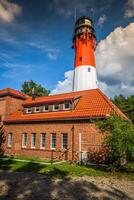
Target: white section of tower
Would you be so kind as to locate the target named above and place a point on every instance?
(85, 78)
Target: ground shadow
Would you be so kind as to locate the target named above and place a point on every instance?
(23, 184)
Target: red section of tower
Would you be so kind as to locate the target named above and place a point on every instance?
(84, 42)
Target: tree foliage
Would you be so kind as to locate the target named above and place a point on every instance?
(126, 104)
(33, 89)
(119, 140)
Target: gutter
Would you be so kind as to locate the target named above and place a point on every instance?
(51, 120)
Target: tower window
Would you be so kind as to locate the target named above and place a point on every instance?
(80, 58)
(89, 70)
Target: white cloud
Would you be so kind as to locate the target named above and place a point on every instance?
(65, 85)
(102, 19)
(129, 11)
(8, 11)
(115, 56)
(112, 90)
(115, 64)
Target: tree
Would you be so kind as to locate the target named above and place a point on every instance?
(119, 140)
(126, 104)
(33, 89)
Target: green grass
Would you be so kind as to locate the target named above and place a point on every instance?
(61, 170)
(31, 159)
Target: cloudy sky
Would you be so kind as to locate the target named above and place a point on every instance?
(36, 39)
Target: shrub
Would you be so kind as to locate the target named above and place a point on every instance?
(119, 140)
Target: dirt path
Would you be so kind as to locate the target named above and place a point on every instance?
(32, 186)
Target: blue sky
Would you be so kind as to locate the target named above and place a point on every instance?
(36, 39)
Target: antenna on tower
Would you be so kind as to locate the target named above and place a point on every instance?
(92, 14)
(75, 15)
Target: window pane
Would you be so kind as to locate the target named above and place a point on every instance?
(24, 139)
(53, 140)
(43, 140)
(67, 106)
(56, 107)
(64, 140)
(46, 107)
(29, 110)
(9, 139)
(37, 109)
(33, 139)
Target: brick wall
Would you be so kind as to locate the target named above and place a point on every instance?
(90, 138)
(8, 105)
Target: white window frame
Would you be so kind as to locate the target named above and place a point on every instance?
(45, 107)
(52, 140)
(64, 106)
(33, 147)
(35, 109)
(54, 107)
(42, 147)
(29, 110)
(62, 140)
(24, 145)
(10, 140)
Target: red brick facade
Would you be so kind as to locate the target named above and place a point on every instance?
(8, 105)
(90, 138)
(83, 136)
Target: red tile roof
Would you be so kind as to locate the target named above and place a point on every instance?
(12, 92)
(91, 104)
(50, 99)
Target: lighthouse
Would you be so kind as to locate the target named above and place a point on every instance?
(84, 43)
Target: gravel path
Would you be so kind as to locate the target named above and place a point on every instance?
(33, 186)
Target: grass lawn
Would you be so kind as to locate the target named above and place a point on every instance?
(61, 170)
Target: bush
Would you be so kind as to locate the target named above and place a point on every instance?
(119, 140)
(99, 156)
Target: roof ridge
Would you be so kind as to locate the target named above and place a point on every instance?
(81, 91)
(13, 92)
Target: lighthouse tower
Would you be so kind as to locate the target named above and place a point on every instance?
(84, 43)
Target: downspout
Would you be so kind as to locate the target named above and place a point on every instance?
(80, 148)
(72, 129)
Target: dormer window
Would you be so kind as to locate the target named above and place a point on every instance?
(56, 107)
(46, 108)
(37, 109)
(66, 106)
(29, 110)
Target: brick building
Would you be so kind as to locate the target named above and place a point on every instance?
(59, 126)
(51, 125)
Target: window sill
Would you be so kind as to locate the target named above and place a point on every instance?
(9, 147)
(42, 148)
(24, 147)
(53, 149)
